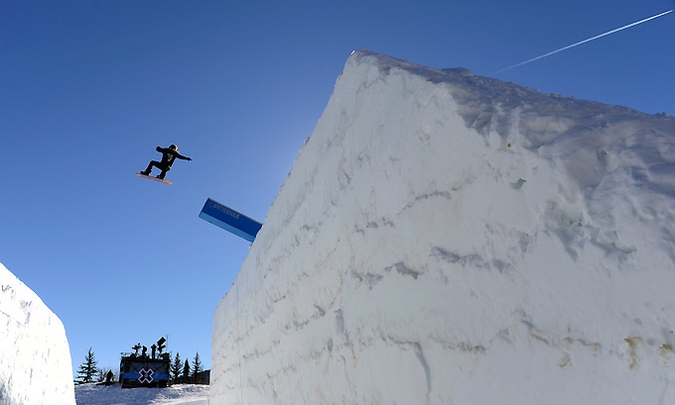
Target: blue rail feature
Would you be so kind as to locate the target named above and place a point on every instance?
(230, 220)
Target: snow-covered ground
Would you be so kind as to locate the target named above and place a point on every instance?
(181, 394)
(35, 363)
(448, 238)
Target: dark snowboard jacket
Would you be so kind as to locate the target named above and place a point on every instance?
(169, 156)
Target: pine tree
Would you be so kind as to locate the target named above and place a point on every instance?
(186, 372)
(197, 367)
(176, 367)
(88, 369)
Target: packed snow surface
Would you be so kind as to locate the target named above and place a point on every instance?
(445, 238)
(35, 363)
(181, 394)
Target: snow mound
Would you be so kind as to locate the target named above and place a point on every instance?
(35, 365)
(450, 238)
(180, 394)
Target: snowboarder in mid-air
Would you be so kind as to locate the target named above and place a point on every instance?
(169, 155)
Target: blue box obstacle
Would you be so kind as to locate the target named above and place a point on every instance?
(230, 220)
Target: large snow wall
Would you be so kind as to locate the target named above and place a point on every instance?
(35, 363)
(445, 238)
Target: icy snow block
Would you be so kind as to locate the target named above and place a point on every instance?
(230, 220)
(35, 363)
(406, 260)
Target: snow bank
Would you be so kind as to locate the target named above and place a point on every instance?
(448, 238)
(35, 363)
(180, 394)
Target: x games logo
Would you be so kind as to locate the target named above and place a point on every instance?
(146, 375)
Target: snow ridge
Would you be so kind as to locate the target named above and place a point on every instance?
(178, 394)
(35, 365)
(441, 233)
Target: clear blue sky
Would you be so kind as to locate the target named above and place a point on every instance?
(88, 89)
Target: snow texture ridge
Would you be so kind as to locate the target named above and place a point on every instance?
(449, 238)
(35, 363)
(177, 394)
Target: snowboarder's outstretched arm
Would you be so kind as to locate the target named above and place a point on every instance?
(179, 156)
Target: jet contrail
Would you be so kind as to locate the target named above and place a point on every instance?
(584, 41)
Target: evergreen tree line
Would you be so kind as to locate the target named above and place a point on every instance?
(179, 371)
(182, 372)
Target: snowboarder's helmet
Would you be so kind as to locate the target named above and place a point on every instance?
(173, 147)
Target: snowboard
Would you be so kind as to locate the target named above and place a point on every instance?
(154, 178)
